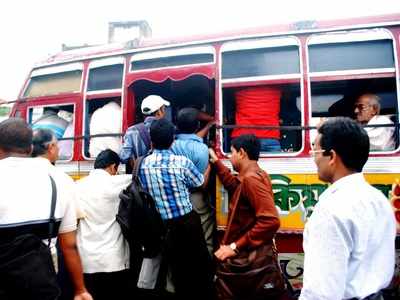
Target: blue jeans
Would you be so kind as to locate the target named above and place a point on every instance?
(270, 145)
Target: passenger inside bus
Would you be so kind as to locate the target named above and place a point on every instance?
(259, 105)
(367, 109)
(105, 120)
(51, 120)
(66, 146)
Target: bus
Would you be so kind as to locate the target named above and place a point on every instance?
(319, 67)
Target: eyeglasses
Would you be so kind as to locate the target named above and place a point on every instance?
(313, 152)
(361, 106)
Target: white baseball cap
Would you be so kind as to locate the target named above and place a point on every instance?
(152, 103)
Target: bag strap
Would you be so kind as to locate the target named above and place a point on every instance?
(52, 209)
(234, 209)
(136, 167)
(144, 134)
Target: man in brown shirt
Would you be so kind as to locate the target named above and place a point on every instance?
(257, 219)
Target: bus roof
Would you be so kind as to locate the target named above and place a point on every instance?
(273, 30)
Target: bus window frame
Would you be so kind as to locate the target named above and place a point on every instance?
(106, 62)
(52, 104)
(103, 94)
(355, 74)
(62, 69)
(262, 42)
(172, 52)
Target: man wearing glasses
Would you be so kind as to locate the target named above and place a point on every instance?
(352, 229)
(366, 110)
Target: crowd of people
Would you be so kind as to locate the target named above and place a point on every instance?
(351, 231)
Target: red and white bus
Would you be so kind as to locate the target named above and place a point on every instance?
(319, 67)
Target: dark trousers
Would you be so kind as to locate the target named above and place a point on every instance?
(112, 285)
(187, 256)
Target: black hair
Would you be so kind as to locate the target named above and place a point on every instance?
(162, 134)
(349, 140)
(187, 121)
(41, 140)
(15, 136)
(106, 158)
(249, 143)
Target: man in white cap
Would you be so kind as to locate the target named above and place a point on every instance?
(137, 137)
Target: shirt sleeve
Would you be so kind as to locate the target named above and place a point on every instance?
(327, 245)
(193, 176)
(128, 147)
(259, 194)
(69, 200)
(229, 181)
(202, 158)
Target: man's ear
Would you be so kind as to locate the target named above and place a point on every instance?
(333, 157)
(242, 153)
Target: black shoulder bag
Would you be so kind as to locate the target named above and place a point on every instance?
(26, 267)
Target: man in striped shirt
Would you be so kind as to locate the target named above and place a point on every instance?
(168, 178)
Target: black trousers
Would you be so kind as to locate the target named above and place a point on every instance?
(112, 285)
(188, 258)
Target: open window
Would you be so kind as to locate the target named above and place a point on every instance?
(103, 112)
(60, 120)
(346, 65)
(54, 80)
(195, 91)
(261, 91)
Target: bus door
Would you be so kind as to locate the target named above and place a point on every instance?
(183, 76)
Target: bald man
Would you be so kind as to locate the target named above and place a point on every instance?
(367, 109)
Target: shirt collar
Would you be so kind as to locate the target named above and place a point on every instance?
(99, 172)
(352, 180)
(251, 167)
(163, 151)
(149, 119)
(189, 136)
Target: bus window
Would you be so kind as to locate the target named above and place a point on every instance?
(59, 119)
(54, 80)
(195, 91)
(261, 87)
(103, 117)
(172, 58)
(366, 66)
(105, 74)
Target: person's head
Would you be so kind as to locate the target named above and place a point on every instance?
(366, 107)
(15, 138)
(50, 110)
(154, 105)
(340, 148)
(45, 144)
(244, 148)
(187, 121)
(162, 134)
(107, 160)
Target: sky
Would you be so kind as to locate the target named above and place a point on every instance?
(32, 30)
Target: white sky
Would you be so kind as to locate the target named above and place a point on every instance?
(31, 30)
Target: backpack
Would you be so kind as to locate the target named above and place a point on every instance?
(139, 218)
(26, 267)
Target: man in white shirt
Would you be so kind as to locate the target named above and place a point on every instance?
(367, 109)
(349, 240)
(105, 252)
(105, 120)
(26, 197)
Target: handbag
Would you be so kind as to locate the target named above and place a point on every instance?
(251, 274)
(26, 267)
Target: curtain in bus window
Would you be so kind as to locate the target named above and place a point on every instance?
(105, 78)
(351, 56)
(52, 84)
(260, 62)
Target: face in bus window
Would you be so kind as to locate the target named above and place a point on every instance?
(364, 110)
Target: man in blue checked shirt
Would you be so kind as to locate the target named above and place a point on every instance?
(168, 178)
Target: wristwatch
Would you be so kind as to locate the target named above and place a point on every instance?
(234, 247)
